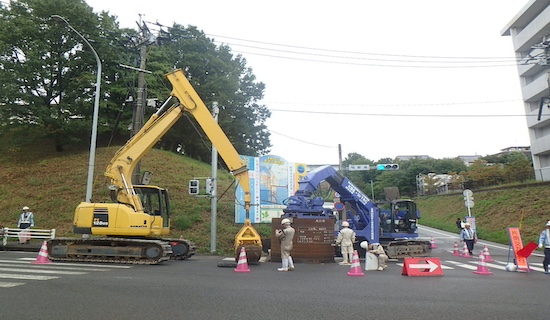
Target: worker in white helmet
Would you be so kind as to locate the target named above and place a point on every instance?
(286, 235)
(378, 250)
(26, 220)
(345, 239)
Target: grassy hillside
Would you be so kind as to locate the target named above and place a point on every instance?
(527, 207)
(54, 183)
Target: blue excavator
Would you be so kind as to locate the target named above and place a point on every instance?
(392, 223)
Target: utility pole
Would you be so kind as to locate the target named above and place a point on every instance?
(214, 195)
(139, 111)
(340, 158)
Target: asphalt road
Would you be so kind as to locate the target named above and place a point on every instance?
(198, 289)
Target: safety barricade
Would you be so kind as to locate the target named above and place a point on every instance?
(7, 233)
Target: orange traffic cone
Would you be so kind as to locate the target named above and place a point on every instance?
(455, 250)
(242, 265)
(482, 267)
(42, 255)
(432, 242)
(355, 269)
(487, 254)
(465, 252)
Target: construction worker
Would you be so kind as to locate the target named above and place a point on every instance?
(345, 239)
(469, 237)
(26, 220)
(544, 241)
(378, 250)
(285, 236)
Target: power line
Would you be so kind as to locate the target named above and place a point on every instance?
(332, 113)
(392, 104)
(313, 56)
(362, 53)
(303, 141)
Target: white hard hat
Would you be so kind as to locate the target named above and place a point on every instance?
(285, 220)
(26, 208)
(466, 224)
(364, 244)
(548, 223)
(345, 224)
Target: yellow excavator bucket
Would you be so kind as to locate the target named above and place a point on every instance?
(250, 239)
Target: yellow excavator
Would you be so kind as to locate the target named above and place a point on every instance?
(134, 227)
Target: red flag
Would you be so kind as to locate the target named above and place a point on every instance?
(527, 250)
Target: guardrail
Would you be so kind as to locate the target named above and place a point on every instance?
(6, 233)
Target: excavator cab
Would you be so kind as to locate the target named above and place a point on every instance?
(155, 202)
(398, 219)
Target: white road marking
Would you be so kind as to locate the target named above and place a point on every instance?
(25, 277)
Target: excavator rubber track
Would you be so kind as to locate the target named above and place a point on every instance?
(109, 250)
(406, 248)
(181, 248)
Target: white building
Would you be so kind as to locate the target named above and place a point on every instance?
(530, 32)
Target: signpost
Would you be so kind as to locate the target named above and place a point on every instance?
(468, 200)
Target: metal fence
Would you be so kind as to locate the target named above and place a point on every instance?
(7, 233)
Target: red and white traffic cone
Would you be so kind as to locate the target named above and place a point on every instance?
(242, 265)
(432, 242)
(455, 250)
(465, 251)
(482, 266)
(487, 254)
(42, 257)
(355, 269)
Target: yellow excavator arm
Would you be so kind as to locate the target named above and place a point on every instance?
(188, 97)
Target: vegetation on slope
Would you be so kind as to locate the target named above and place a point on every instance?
(523, 206)
(54, 183)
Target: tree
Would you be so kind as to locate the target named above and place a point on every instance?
(49, 74)
(219, 76)
(49, 77)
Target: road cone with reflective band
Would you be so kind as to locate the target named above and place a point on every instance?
(455, 250)
(482, 266)
(465, 252)
(242, 265)
(42, 255)
(355, 269)
(432, 242)
(487, 254)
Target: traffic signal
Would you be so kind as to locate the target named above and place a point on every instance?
(387, 166)
(194, 186)
(209, 186)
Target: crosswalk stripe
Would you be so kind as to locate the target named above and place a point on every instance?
(111, 266)
(41, 271)
(52, 266)
(10, 284)
(25, 277)
(459, 264)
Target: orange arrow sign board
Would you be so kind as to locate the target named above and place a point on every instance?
(422, 267)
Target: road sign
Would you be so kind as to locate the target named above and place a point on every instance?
(469, 203)
(339, 206)
(358, 167)
(468, 193)
(422, 267)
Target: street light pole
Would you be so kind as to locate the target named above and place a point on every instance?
(93, 141)
(372, 189)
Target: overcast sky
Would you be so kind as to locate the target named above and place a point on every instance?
(379, 78)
